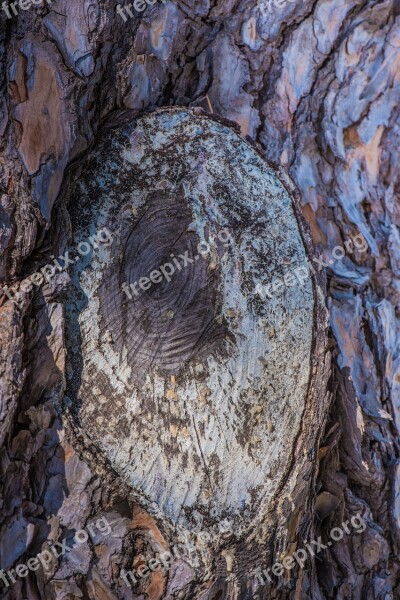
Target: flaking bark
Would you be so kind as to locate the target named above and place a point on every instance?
(316, 86)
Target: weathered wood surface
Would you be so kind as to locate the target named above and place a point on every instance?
(182, 383)
(316, 84)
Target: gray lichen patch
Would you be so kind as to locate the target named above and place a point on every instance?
(194, 387)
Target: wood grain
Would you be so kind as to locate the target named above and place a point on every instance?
(194, 389)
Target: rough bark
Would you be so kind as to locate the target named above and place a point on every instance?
(316, 86)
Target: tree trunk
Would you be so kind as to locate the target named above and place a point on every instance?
(227, 417)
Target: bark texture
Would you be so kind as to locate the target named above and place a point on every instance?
(316, 86)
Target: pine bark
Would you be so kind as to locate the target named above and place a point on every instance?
(315, 86)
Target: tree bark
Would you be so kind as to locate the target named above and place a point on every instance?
(314, 89)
